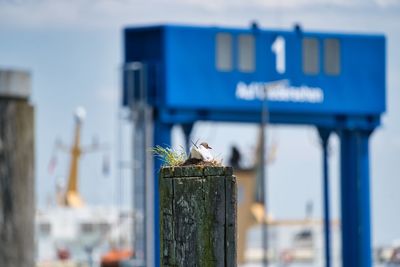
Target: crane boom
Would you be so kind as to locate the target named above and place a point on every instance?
(72, 197)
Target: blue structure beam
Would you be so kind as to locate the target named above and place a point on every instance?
(355, 198)
(162, 137)
(320, 120)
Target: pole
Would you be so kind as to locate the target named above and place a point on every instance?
(355, 198)
(324, 135)
(139, 112)
(264, 121)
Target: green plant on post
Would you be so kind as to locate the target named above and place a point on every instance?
(169, 156)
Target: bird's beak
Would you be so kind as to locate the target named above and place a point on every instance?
(209, 147)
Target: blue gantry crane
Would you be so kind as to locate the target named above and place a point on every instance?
(177, 75)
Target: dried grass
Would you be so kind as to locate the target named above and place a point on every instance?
(178, 157)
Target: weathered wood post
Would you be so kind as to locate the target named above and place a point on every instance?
(197, 216)
(17, 203)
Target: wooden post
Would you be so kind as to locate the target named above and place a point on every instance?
(17, 203)
(197, 216)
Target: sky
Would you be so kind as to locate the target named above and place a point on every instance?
(74, 51)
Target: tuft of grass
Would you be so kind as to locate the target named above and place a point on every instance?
(169, 156)
(216, 163)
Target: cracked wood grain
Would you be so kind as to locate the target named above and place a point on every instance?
(197, 217)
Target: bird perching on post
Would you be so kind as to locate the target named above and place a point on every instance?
(201, 152)
(198, 212)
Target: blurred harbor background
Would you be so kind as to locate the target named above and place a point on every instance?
(73, 51)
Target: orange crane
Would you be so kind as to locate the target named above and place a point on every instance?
(72, 197)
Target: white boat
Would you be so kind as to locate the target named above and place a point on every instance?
(81, 235)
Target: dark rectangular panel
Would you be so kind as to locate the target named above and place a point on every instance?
(246, 53)
(310, 56)
(223, 52)
(332, 56)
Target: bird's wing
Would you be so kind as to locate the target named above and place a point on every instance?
(206, 154)
(195, 153)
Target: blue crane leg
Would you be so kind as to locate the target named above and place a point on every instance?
(162, 137)
(324, 135)
(355, 199)
(187, 130)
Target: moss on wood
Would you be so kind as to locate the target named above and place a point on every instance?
(197, 216)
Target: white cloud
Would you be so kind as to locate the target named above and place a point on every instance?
(388, 3)
(114, 13)
(274, 3)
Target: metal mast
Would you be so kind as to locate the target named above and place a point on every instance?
(140, 116)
